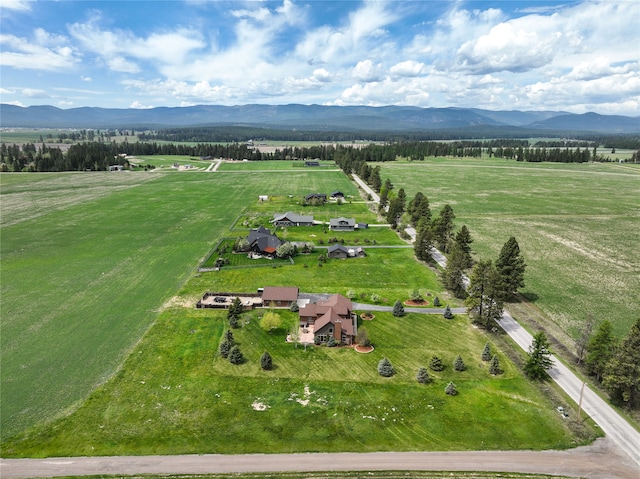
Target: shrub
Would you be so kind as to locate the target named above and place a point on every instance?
(447, 313)
(458, 364)
(270, 321)
(235, 355)
(351, 294)
(375, 298)
(294, 307)
(233, 322)
(385, 369)
(332, 342)
(224, 348)
(436, 301)
(436, 363)
(398, 309)
(494, 367)
(451, 389)
(362, 338)
(486, 353)
(266, 363)
(416, 296)
(423, 376)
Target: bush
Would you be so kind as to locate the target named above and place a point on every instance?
(451, 389)
(385, 369)
(294, 307)
(375, 298)
(398, 309)
(436, 363)
(458, 364)
(494, 367)
(224, 348)
(416, 296)
(447, 313)
(436, 301)
(486, 353)
(266, 363)
(235, 355)
(332, 342)
(423, 376)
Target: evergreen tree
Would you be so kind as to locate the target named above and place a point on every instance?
(398, 309)
(228, 336)
(600, 349)
(447, 313)
(494, 366)
(510, 266)
(451, 389)
(484, 301)
(423, 376)
(235, 355)
(224, 348)
(622, 375)
(463, 240)
(443, 227)
(266, 362)
(414, 209)
(436, 363)
(424, 241)
(385, 368)
(458, 364)
(234, 322)
(436, 301)
(486, 352)
(453, 275)
(539, 359)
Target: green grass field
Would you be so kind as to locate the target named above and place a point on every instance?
(576, 226)
(85, 276)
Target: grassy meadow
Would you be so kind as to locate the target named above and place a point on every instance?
(576, 225)
(103, 352)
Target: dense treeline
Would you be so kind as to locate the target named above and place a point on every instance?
(99, 155)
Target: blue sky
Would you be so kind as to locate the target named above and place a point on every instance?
(574, 56)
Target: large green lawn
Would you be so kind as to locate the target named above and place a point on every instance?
(577, 226)
(83, 280)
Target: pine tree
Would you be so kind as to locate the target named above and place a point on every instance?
(424, 241)
(266, 362)
(485, 300)
(436, 363)
(486, 352)
(228, 336)
(436, 301)
(451, 389)
(398, 309)
(443, 227)
(447, 313)
(622, 375)
(600, 349)
(463, 239)
(458, 364)
(423, 376)
(511, 266)
(453, 276)
(539, 360)
(224, 348)
(494, 366)
(235, 355)
(385, 368)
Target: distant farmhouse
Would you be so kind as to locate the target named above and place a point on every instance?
(291, 219)
(312, 163)
(338, 251)
(262, 241)
(315, 198)
(342, 224)
(337, 195)
(332, 318)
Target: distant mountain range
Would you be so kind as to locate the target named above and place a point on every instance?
(315, 118)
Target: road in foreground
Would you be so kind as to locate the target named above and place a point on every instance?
(598, 461)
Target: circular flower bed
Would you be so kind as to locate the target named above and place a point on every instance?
(367, 316)
(363, 349)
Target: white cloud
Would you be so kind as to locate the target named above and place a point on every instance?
(22, 5)
(367, 71)
(6, 91)
(121, 64)
(87, 79)
(42, 52)
(139, 106)
(409, 68)
(34, 93)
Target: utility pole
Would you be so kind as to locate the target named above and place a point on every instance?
(580, 402)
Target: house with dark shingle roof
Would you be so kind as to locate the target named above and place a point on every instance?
(338, 251)
(261, 240)
(342, 224)
(291, 219)
(316, 198)
(333, 318)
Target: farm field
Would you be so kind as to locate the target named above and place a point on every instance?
(148, 239)
(576, 226)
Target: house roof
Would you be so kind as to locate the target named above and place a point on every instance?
(315, 195)
(262, 239)
(341, 221)
(337, 193)
(292, 217)
(280, 293)
(337, 247)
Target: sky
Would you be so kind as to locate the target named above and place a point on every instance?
(575, 56)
